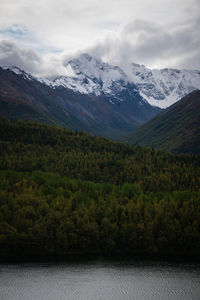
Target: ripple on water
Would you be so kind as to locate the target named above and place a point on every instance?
(100, 280)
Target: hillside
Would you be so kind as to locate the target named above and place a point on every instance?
(87, 75)
(159, 87)
(23, 96)
(65, 192)
(176, 129)
(164, 87)
(27, 146)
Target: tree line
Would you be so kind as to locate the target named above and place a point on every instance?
(65, 192)
(46, 214)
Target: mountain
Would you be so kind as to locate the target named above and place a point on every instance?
(88, 75)
(176, 129)
(94, 96)
(164, 87)
(24, 96)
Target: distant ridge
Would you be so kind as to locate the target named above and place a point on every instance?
(159, 87)
(176, 129)
(94, 96)
(87, 75)
(23, 96)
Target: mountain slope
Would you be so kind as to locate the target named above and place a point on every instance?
(82, 156)
(94, 96)
(23, 96)
(176, 129)
(88, 75)
(64, 192)
(164, 87)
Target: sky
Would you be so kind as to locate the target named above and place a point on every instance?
(40, 36)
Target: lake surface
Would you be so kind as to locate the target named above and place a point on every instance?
(100, 279)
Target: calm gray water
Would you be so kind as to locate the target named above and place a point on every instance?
(139, 280)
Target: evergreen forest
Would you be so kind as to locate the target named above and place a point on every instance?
(64, 192)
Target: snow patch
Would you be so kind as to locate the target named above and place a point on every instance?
(164, 87)
(70, 72)
(88, 75)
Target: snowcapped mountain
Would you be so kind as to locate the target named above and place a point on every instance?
(20, 72)
(164, 87)
(95, 96)
(107, 107)
(90, 76)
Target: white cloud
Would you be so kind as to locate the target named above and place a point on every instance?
(70, 25)
(167, 34)
(29, 60)
(153, 45)
(12, 55)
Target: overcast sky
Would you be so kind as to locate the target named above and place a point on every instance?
(38, 35)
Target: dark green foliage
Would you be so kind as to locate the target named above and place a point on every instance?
(65, 192)
(177, 129)
(45, 214)
(28, 147)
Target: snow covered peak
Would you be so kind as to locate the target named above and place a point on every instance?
(86, 65)
(161, 88)
(88, 75)
(166, 86)
(70, 71)
(18, 71)
(94, 68)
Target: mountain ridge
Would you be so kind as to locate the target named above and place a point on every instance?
(158, 87)
(23, 96)
(94, 96)
(176, 129)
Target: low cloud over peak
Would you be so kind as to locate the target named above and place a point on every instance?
(140, 41)
(29, 60)
(153, 45)
(12, 55)
(151, 32)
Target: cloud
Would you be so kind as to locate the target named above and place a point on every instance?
(142, 42)
(29, 60)
(153, 45)
(34, 35)
(71, 25)
(12, 55)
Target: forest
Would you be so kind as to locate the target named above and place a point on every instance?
(64, 192)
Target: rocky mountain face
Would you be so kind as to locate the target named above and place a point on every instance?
(164, 87)
(88, 75)
(24, 96)
(101, 98)
(176, 129)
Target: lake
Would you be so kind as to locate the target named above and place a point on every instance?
(100, 279)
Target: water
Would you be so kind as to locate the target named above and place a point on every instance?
(100, 279)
